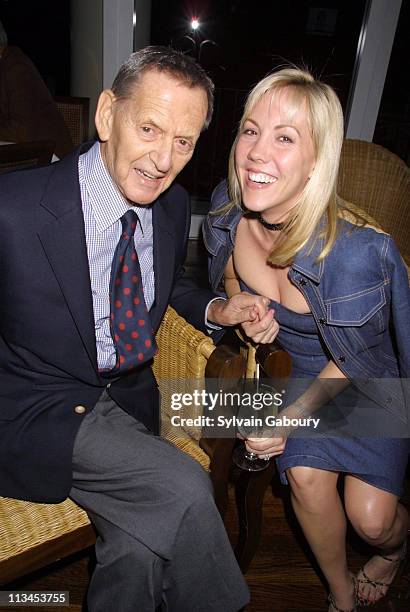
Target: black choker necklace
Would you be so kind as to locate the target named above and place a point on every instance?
(273, 227)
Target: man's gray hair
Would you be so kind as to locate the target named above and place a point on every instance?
(3, 36)
(163, 59)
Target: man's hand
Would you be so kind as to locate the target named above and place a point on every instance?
(240, 308)
(249, 310)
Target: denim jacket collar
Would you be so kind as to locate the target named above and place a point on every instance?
(229, 221)
(305, 261)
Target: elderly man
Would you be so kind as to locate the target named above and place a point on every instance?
(91, 254)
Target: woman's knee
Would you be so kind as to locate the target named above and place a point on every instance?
(372, 523)
(310, 486)
(371, 511)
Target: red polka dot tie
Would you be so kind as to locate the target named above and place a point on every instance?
(130, 322)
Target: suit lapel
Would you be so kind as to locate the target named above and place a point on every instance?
(63, 240)
(164, 257)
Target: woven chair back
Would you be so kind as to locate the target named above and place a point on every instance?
(378, 182)
(75, 112)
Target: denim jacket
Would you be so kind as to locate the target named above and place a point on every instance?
(359, 296)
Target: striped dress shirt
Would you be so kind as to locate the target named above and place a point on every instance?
(103, 206)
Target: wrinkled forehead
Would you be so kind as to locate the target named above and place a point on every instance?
(159, 89)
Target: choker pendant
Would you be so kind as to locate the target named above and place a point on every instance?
(273, 227)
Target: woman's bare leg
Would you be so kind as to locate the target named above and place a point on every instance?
(382, 522)
(319, 510)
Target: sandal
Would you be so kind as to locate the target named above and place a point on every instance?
(363, 578)
(333, 606)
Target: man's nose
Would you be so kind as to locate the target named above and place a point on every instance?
(161, 156)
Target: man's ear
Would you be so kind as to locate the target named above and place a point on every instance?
(104, 114)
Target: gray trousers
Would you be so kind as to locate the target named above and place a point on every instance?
(161, 543)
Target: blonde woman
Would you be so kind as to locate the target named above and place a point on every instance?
(340, 305)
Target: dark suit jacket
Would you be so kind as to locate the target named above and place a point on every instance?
(48, 361)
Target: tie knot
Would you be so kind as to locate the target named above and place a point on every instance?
(129, 222)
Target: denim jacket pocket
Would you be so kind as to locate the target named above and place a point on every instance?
(356, 309)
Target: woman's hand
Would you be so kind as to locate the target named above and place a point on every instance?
(266, 447)
(262, 330)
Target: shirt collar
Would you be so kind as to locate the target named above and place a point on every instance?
(107, 203)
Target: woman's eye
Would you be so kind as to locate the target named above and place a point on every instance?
(249, 132)
(285, 139)
(147, 130)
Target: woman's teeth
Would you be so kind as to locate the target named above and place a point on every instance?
(261, 178)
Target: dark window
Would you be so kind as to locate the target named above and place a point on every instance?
(241, 41)
(393, 122)
(42, 31)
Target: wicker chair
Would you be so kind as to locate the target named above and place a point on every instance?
(34, 535)
(75, 112)
(378, 182)
(24, 155)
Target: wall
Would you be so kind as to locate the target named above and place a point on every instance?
(86, 52)
(102, 37)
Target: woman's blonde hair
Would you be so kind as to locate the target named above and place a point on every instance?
(325, 122)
